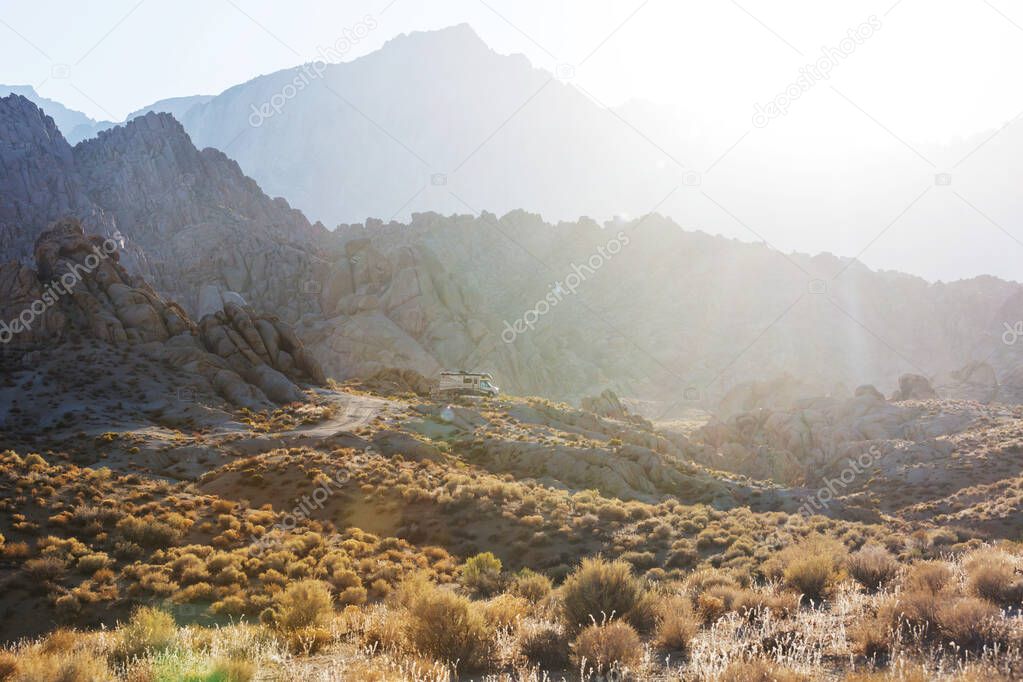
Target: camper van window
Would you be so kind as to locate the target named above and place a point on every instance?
(467, 380)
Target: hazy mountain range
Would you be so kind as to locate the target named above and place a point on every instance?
(560, 309)
(459, 127)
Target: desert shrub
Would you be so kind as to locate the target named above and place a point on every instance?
(751, 604)
(90, 563)
(602, 590)
(450, 628)
(991, 575)
(148, 532)
(873, 567)
(609, 646)
(482, 573)
(531, 585)
(77, 666)
(871, 637)
(149, 630)
(914, 610)
(812, 567)
(710, 607)
(968, 621)
(759, 670)
(44, 569)
(813, 575)
(505, 610)
(384, 629)
(641, 561)
(683, 554)
(927, 576)
(8, 665)
(232, 670)
(308, 640)
(231, 605)
(705, 579)
(544, 645)
(677, 624)
(352, 596)
(306, 603)
(60, 640)
(15, 551)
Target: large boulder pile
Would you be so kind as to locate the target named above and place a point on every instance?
(80, 288)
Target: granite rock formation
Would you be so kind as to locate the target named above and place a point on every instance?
(79, 288)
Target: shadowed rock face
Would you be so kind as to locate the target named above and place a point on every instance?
(80, 288)
(184, 218)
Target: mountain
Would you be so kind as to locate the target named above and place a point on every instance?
(74, 125)
(186, 219)
(566, 309)
(342, 148)
(175, 106)
(437, 121)
(645, 307)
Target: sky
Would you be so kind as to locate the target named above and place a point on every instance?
(932, 69)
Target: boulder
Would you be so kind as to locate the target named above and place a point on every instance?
(914, 387)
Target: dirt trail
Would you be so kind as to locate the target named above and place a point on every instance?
(354, 411)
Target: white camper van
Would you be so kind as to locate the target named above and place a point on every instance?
(467, 383)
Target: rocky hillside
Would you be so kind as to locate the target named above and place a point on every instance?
(80, 292)
(564, 310)
(185, 219)
(648, 308)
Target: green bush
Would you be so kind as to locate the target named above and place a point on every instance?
(482, 573)
(531, 585)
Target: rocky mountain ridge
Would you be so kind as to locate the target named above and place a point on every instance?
(565, 310)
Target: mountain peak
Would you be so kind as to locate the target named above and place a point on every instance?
(458, 36)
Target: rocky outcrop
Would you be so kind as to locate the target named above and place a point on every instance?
(80, 287)
(914, 387)
(184, 219)
(100, 297)
(606, 404)
(799, 445)
(20, 325)
(396, 380)
(977, 381)
(388, 305)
